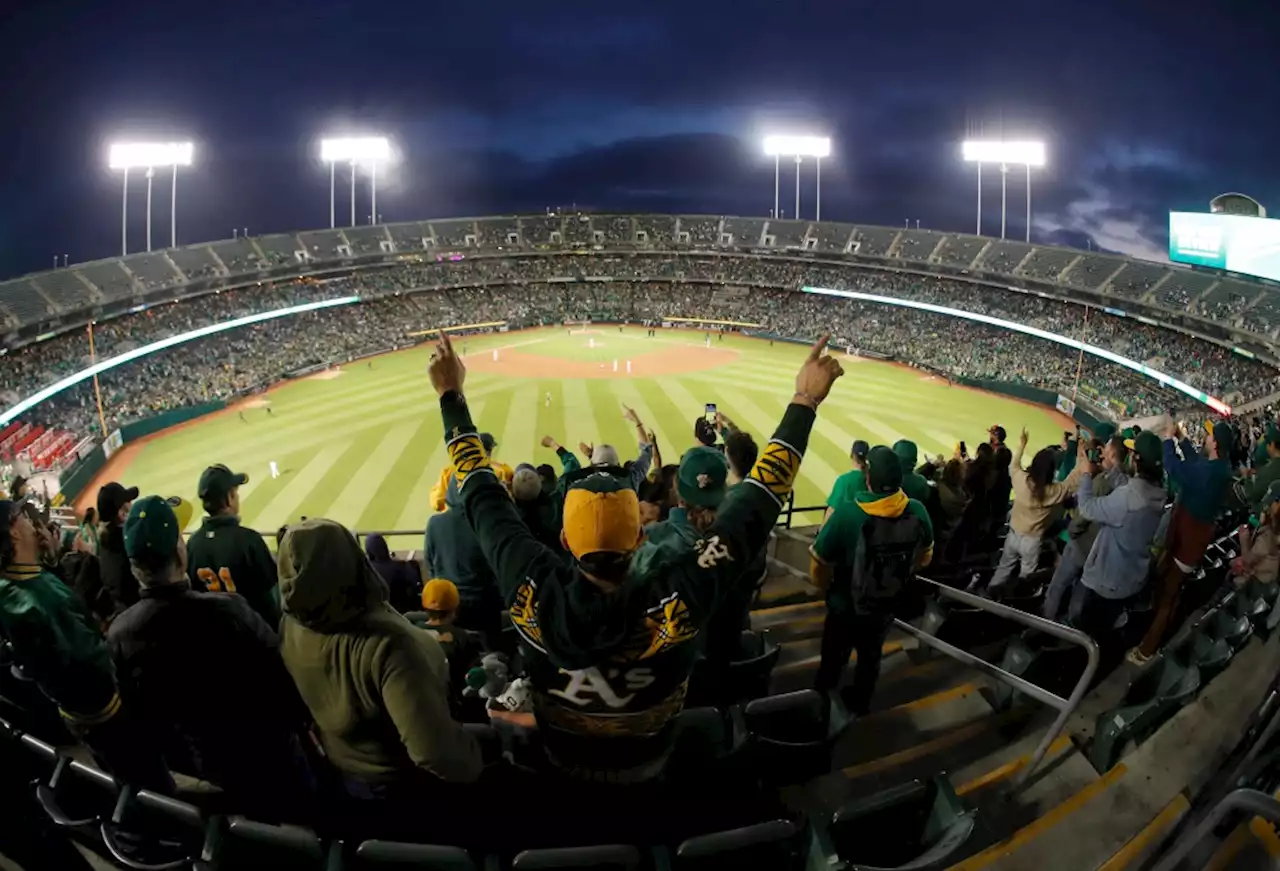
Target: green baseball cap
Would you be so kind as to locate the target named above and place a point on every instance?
(1148, 446)
(154, 526)
(884, 471)
(218, 481)
(701, 478)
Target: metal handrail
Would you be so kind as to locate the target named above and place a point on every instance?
(1249, 800)
(1065, 706)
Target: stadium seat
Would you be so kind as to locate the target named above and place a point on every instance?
(1018, 657)
(75, 796)
(1210, 655)
(917, 825)
(1223, 623)
(425, 857)
(708, 741)
(152, 832)
(1152, 698)
(245, 843)
(749, 675)
(1248, 604)
(613, 857)
(792, 734)
(775, 845)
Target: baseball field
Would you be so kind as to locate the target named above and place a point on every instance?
(363, 444)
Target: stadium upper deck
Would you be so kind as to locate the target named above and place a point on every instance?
(1237, 311)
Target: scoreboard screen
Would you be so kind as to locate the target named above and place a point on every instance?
(1250, 246)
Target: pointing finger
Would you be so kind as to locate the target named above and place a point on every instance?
(819, 346)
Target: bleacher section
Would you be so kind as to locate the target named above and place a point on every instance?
(937, 775)
(1238, 304)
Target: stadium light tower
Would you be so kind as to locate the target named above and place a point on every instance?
(369, 150)
(1025, 152)
(798, 147)
(149, 155)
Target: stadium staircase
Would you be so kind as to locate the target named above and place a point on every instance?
(940, 774)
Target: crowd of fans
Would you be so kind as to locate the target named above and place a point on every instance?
(626, 582)
(531, 290)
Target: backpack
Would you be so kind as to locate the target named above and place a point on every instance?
(884, 562)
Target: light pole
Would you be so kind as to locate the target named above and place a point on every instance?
(369, 150)
(798, 147)
(1027, 153)
(148, 155)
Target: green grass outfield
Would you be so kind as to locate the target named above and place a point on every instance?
(364, 448)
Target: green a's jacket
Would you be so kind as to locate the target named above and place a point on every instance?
(609, 669)
(58, 644)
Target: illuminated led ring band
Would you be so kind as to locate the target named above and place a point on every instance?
(137, 353)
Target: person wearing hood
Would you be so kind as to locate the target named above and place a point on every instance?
(114, 570)
(403, 579)
(856, 618)
(241, 724)
(1127, 519)
(377, 687)
(453, 552)
(1083, 532)
(609, 645)
(1203, 483)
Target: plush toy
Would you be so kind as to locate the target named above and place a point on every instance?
(489, 679)
(517, 698)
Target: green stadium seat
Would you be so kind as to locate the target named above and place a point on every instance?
(613, 857)
(917, 825)
(1222, 623)
(1153, 697)
(245, 843)
(775, 845)
(75, 796)
(792, 734)
(749, 675)
(1211, 655)
(709, 742)
(423, 857)
(152, 832)
(1245, 602)
(1018, 657)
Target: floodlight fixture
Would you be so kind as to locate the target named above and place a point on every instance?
(798, 147)
(367, 150)
(1026, 152)
(148, 155)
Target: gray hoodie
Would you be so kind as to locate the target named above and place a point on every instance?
(1127, 519)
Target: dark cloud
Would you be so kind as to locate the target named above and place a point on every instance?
(506, 106)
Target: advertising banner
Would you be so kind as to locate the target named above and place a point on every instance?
(114, 442)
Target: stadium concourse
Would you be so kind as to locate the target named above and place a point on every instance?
(995, 639)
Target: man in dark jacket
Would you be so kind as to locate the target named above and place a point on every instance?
(223, 556)
(117, 578)
(404, 579)
(609, 650)
(240, 724)
(539, 509)
(453, 553)
(1202, 483)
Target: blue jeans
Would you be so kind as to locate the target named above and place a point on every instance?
(1069, 570)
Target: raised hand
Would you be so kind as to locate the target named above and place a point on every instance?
(586, 449)
(446, 370)
(549, 442)
(816, 375)
(1024, 438)
(630, 415)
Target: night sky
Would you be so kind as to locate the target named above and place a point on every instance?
(514, 106)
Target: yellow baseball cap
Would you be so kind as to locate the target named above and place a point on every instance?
(439, 594)
(601, 515)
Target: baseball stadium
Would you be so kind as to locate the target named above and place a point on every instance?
(364, 407)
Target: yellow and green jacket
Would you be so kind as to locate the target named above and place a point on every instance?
(58, 645)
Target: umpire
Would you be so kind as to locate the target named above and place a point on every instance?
(223, 556)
